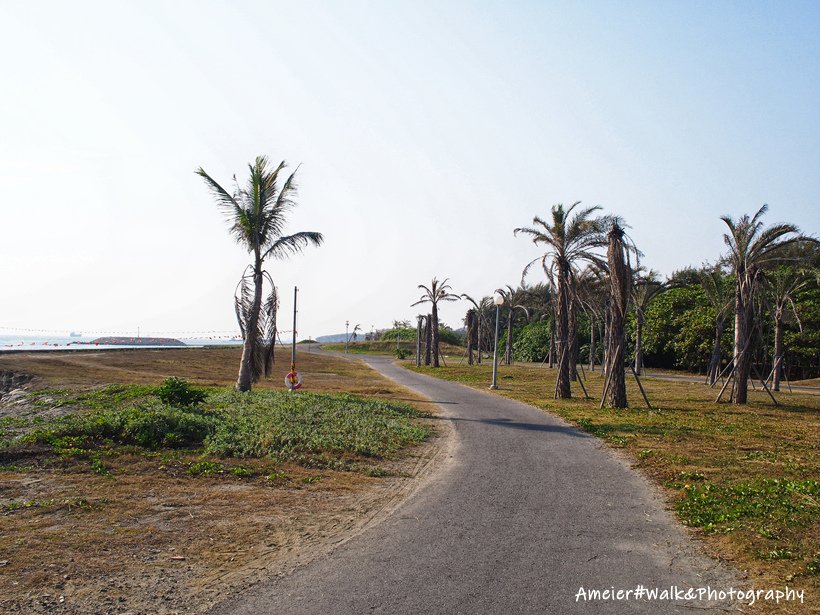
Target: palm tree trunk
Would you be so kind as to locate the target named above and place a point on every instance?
(428, 339)
(714, 363)
(615, 393)
(743, 338)
(562, 387)
(591, 342)
(573, 342)
(479, 330)
(470, 332)
(418, 341)
(778, 349)
(552, 345)
(435, 335)
(245, 379)
(639, 341)
(508, 353)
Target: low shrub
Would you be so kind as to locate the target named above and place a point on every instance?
(179, 393)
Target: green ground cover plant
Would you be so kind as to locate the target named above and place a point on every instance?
(309, 428)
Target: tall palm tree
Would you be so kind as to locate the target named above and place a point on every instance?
(257, 214)
(515, 300)
(718, 290)
(570, 240)
(645, 288)
(751, 248)
(620, 276)
(438, 291)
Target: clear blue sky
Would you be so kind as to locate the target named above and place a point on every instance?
(427, 131)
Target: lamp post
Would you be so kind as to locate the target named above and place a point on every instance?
(498, 300)
(347, 335)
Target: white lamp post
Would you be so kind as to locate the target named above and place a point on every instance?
(347, 336)
(498, 300)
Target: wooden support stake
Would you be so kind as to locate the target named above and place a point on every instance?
(584, 389)
(725, 384)
(640, 386)
(764, 385)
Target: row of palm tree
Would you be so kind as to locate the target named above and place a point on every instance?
(577, 273)
(579, 276)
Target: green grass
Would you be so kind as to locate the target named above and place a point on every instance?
(320, 430)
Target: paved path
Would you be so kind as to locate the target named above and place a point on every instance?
(527, 511)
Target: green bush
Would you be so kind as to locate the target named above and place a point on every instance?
(180, 394)
(532, 342)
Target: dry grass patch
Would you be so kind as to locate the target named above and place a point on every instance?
(93, 522)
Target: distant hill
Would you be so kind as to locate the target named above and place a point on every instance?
(329, 339)
(136, 341)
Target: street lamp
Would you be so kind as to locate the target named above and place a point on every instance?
(347, 336)
(498, 300)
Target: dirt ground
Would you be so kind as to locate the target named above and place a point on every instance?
(152, 538)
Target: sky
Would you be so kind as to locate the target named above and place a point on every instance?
(426, 132)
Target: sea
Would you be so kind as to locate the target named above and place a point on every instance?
(28, 343)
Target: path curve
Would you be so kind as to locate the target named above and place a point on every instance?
(527, 512)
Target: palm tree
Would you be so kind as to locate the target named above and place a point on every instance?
(570, 240)
(614, 395)
(751, 249)
(257, 214)
(718, 290)
(438, 291)
(644, 289)
(591, 295)
(783, 284)
(479, 322)
(515, 300)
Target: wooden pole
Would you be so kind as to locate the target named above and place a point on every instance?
(640, 386)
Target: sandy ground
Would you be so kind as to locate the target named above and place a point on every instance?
(154, 539)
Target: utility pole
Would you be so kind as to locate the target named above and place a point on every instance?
(293, 346)
(347, 335)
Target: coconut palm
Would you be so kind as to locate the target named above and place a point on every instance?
(751, 249)
(438, 291)
(570, 240)
(718, 290)
(645, 288)
(257, 214)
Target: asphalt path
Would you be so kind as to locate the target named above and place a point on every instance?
(524, 513)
